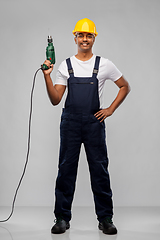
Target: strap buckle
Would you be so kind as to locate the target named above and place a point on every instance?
(70, 71)
(95, 71)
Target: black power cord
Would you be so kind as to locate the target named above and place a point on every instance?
(28, 149)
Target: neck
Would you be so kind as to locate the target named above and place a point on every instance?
(84, 56)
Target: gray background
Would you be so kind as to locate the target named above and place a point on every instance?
(128, 35)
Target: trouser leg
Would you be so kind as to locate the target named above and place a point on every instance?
(96, 151)
(68, 164)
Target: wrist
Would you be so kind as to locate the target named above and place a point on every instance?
(47, 76)
(111, 109)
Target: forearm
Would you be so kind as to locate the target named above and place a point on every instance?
(51, 90)
(123, 92)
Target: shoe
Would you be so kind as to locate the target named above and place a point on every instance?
(107, 226)
(60, 227)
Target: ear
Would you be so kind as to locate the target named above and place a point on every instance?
(75, 39)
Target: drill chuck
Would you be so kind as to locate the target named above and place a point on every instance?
(50, 40)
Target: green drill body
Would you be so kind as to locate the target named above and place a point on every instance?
(50, 53)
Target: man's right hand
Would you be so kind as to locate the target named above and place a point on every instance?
(50, 66)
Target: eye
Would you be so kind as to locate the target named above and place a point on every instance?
(80, 35)
(89, 36)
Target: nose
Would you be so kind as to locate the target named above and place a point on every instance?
(84, 38)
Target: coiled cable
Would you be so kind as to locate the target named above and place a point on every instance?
(28, 149)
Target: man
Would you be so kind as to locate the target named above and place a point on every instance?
(82, 121)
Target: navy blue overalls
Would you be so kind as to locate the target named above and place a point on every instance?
(79, 125)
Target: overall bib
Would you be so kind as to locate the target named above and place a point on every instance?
(79, 125)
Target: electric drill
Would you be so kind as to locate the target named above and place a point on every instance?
(50, 53)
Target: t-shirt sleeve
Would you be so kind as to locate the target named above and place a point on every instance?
(113, 72)
(62, 74)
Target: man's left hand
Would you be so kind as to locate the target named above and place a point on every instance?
(103, 114)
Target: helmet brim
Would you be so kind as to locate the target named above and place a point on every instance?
(94, 33)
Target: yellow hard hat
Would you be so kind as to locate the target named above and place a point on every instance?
(85, 25)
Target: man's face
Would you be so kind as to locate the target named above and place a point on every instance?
(84, 41)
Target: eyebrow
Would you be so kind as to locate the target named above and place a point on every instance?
(86, 34)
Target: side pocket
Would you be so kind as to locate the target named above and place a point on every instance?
(94, 119)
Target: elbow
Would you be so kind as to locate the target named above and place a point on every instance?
(128, 88)
(55, 103)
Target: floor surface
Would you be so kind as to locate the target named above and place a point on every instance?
(29, 223)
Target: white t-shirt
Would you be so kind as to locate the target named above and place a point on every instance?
(107, 70)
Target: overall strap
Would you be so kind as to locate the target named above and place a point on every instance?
(96, 66)
(70, 69)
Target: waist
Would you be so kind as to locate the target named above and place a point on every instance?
(80, 111)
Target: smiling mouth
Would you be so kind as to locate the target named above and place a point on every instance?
(85, 44)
